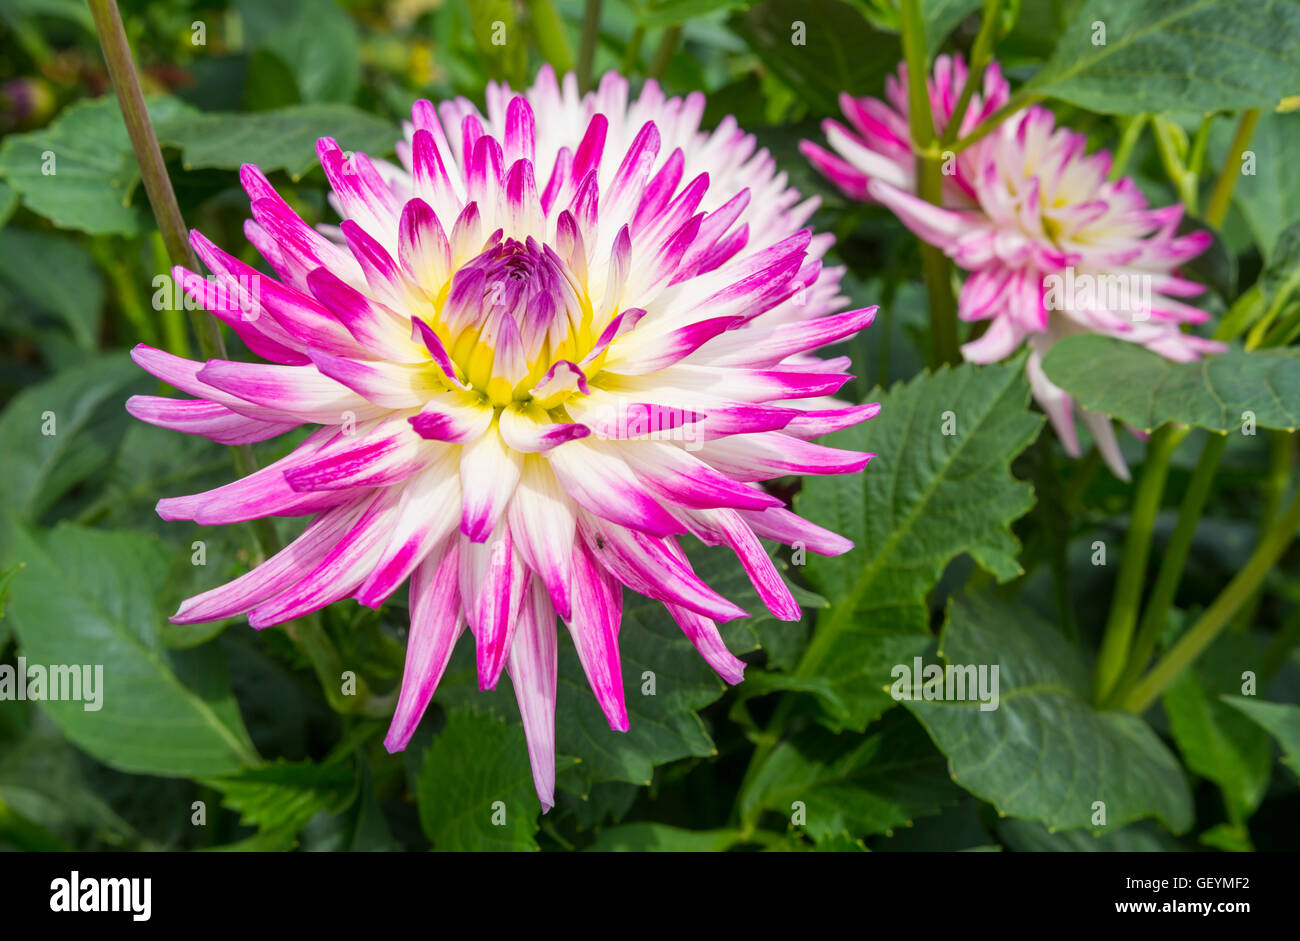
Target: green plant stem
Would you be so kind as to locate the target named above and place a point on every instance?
(173, 319)
(1168, 146)
(162, 198)
(1118, 635)
(1128, 689)
(632, 53)
(1275, 485)
(1216, 209)
(663, 56)
(1171, 566)
(587, 45)
(981, 55)
(1128, 140)
(1016, 102)
(935, 266)
(549, 30)
(1201, 634)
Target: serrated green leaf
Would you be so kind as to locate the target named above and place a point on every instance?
(1282, 721)
(87, 597)
(1142, 388)
(658, 837)
(476, 787)
(94, 169)
(847, 783)
(284, 139)
(1175, 55)
(284, 795)
(1044, 753)
(926, 498)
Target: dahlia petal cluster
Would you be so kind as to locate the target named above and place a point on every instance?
(557, 337)
(1053, 246)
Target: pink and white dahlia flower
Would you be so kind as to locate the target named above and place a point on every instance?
(1052, 246)
(559, 336)
(878, 143)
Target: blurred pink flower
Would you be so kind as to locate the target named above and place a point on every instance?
(1053, 248)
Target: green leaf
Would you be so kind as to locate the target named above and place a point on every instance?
(664, 725)
(658, 837)
(83, 410)
(475, 774)
(87, 597)
(840, 52)
(1044, 753)
(846, 783)
(494, 24)
(1280, 720)
(8, 201)
(284, 795)
(1279, 282)
(661, 13)
(317, 40)
(925, 499)
(942, 17)
(1269, 195)
(40, 778)
(94, 169)
(56, 274)
(1219, 743)
(284, 139)
(1142, 388)
(1175, 55)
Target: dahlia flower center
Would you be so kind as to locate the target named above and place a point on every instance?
(510, 314)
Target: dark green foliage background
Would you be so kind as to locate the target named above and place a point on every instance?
(978, 547)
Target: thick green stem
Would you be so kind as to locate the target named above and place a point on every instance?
(1201, 634)
(632, 53)
(549, 30)
(1169, 141)
(981, 54)
(663, 56)
(1017, 102)
(587, 46)
(1275, 485)
(1128, 139)
(935, 266)
(1133, 564)
(1216, 210)
(1171, 565)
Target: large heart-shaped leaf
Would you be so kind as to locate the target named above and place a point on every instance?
(1129, 382)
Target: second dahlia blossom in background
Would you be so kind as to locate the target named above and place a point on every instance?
(1053, 247)
(561, 335)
